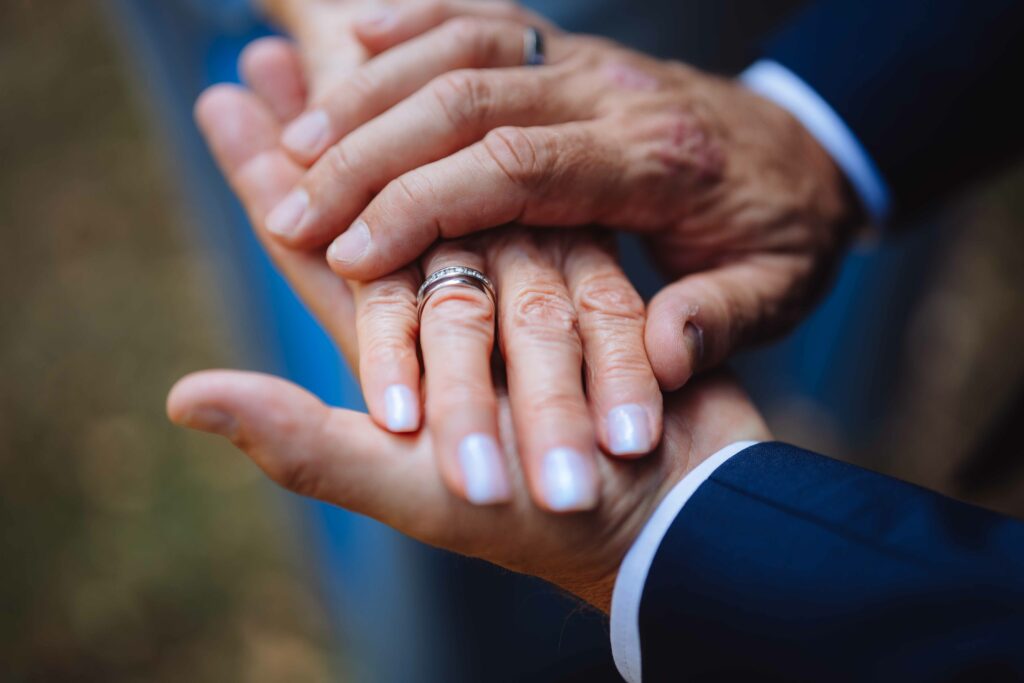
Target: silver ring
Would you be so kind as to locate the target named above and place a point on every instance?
(533, 47)
(453, 276)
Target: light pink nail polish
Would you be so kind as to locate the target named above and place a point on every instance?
(629, 430)
(569, 481)
(401, 409)
(483, 470)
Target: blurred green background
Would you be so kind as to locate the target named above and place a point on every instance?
(134, 551)
(131, 550)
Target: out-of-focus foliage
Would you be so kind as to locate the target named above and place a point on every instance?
(129, 550)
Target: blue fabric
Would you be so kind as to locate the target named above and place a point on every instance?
(787, 564)
(926, 85)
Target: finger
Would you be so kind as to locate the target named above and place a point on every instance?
(545, 176)
(622, 390)
(457, 338)
(696, 323)
(272, 68)
(338, 456)
(544, 358)
(242, 133)
(323, 30)
(455, 110)
(389, 368)
(391, 77)
(381, 28)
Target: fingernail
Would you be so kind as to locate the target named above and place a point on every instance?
(351, 245)
(629, 430)
(483, 470)
(378, 18)
(693, 335)
(306, 134)
(401, 409)
(285, 217)
(568, 480)
(212, 420)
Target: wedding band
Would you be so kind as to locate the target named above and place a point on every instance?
(533, 47)
(453, 276)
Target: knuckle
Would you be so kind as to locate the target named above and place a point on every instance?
(301, 474)
(560, 402)
(388, 349)
(468, 394)
(543, 311)
(620, 364)
(609, 295)
(359, 85)
(464, 97)
(414, 188)
(302, 470)
(339, 163)
(460, 310)
(515, 152)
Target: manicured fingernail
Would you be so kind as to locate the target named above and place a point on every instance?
(212, 420)
(351, 245)
(379, 18)
(694, 338)
(401, 409)
(284, 219)
(629, 430)
(306, 134)
(568, 480)
(483, 470)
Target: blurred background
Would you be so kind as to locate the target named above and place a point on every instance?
(133, 551)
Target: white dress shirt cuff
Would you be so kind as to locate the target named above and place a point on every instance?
(775, 82)
(629, 585)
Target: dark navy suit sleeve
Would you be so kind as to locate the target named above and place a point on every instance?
(786, 564)
(929, 87)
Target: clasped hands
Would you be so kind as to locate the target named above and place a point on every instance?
(394, 161)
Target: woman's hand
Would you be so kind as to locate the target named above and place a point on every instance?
(737, 200)
(563, 303)
(341, 457)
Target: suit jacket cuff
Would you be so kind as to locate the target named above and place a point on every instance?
(775, 82)
(629, 585)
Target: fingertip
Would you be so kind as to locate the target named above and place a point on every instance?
(213, 101)
(308, 136)
(674, 343)
(402, 414)
(375, 28)
(632, 430)
(192, 403)
(568, 481)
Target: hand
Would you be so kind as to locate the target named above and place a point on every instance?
(563, 300)
(738, 202)
(341, 457)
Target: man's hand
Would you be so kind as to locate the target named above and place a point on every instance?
(341, 457)
(740, 205)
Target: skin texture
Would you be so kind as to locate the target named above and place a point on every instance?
(344, 458)
(742, 209)
(341, 457)
(577, 312)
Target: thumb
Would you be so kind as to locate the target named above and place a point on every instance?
(338, 456)
(699, 321)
